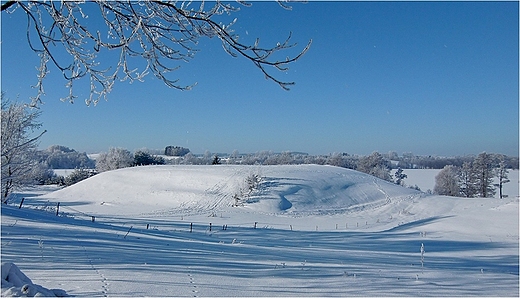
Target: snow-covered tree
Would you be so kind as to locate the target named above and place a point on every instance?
(61, 157)
(216, 160)
(151, 37)
(468, 180)
(501, 174)
(341, 160)
(176, 151)
(116, 158)
(19, 144)
(78, 175)
(484, 169)
(447, 182)
(375, 165)
(142, 158)
(41, 174)
(399, 176)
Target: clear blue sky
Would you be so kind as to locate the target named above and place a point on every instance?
(434, 78)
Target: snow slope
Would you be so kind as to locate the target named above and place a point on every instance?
(306, 231)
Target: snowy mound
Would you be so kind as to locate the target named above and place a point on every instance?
(195, 189)
(16, 284)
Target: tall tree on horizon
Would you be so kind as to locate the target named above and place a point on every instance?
(484, 169)
(501, 174)
(468, 180)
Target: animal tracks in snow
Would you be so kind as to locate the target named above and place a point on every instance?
(194, 289)
(103, 279)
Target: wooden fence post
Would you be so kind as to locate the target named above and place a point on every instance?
(128, 232)
(191, 227)
(58, 209)
(21, 203)
(210, 227)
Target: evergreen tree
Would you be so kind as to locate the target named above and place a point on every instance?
(399, 176)
(142, 158)
(216, 160)
(78, 175)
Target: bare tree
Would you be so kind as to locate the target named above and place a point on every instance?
(501, 174)
(18, 145)
(484, 168)
(161, 33)
(468, 180)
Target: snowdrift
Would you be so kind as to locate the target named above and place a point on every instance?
(16, 284)
(194, 189)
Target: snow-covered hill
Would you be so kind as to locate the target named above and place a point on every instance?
(305, 230)
(188, 189)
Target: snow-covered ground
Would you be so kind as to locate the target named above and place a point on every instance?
(306, 230)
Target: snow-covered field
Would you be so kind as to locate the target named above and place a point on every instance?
(307, 230)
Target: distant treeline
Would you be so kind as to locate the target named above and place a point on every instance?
(61, 157)
(376, 164)
(393, 160)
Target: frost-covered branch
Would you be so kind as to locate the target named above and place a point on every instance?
(151, 36)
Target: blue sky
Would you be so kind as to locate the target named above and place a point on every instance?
(432, 78)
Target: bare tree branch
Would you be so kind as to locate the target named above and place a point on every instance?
(159, 33)
(7, 4)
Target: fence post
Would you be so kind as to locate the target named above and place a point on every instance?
(58, 209)
(128, 232)
(255, 224)
(21, 203)
(93, 218)
(210, 227)
(191, 227)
